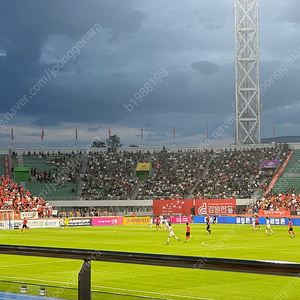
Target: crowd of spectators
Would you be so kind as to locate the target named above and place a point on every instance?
(237, 173)
(111, 175)
(14, 197)
(281, 202)
(64, 167)
(183, 174)
(174, 174)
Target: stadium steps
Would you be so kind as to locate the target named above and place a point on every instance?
(191, 196)
(257, 194)
(23, 184)
(2, 170)
(291, 176)
(15, 161)
(83, 171)
(136, 190)
(20, 161)
(51, 191)
(207, 164)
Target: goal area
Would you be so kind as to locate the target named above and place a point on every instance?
(7, 218)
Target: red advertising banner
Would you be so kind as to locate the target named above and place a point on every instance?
(277, 175)
(215, 206)
(172, 207)
(6, 166)
(276, 213)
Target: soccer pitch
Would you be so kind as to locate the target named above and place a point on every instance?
(126, 281)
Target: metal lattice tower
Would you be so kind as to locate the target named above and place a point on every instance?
(247, 96)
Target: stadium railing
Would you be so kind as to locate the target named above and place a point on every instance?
(191, 262)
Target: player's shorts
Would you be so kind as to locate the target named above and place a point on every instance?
(157, 224)
(187, 234)
(171, 234)
(207, 227)
(291, 229)
(24, 226)
(268, 227)
(256, 223)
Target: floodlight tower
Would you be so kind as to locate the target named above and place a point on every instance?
(247, 98)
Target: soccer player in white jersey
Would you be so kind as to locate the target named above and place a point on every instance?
(61, 223)
(268, 226)
(161, 220)
(166, 226)
(150, 223)
(253, 223)
(171, 233)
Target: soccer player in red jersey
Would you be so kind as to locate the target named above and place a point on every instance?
(291, 230)
(207, 218)
(187, 232)
(257, 222)
(157, 223)
(24, 226)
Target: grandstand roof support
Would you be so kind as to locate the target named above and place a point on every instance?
(247, 95)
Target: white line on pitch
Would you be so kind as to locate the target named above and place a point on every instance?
(41, 263)
(112, 288)
(156, 293)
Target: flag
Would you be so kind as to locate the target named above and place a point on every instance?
(207, 132)
(12, 133)
(42, 136)
(76, 135)
(109, 136)
(273, 129)
(142, 134)
(174, 132)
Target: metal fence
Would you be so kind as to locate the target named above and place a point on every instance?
(190, 262)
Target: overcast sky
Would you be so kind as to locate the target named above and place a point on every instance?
(78, 64)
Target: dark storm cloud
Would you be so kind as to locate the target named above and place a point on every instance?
(93, 129)
(192, 40)
(26, 27)
(205, 67)
(35, 134)
(46, 122)
(40, 19)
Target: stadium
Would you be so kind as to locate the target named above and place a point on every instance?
(168, 222)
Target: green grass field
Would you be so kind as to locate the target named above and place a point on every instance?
(111, 279)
